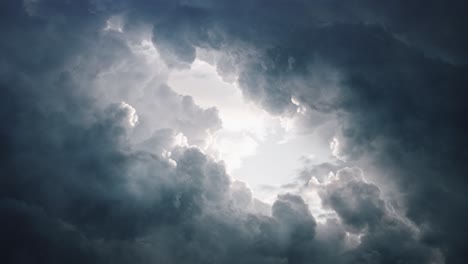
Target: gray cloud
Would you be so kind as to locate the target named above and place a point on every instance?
(356, 202)
(385, 236)
(78, 185)
(395, 84)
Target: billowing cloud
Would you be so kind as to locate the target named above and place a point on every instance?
(102, 162)
(385, 236)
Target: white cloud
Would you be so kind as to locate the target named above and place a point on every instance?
(132, 117)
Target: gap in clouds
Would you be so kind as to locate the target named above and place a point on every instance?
(258, 148)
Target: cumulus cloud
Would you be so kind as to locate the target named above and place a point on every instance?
(393, 85)
(102, 162)
(385, 236)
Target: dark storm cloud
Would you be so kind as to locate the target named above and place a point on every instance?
(357, 203)
(397, 84)
(385, 238)
(74, 189)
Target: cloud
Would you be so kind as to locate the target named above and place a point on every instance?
(356, 202)
(385, 236)
(83, 181)
(393, 85)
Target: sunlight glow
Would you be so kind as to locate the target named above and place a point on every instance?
(245, 125)
(262, 150)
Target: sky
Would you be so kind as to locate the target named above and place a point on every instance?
(259, 131)
(251, 142)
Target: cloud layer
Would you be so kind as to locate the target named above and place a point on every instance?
(99, 159)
